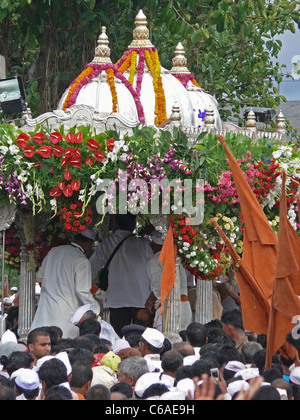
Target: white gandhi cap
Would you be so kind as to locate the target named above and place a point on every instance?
(27, 379)
(154, 338)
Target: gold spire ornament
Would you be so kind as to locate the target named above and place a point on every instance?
(102, 51)
(180, 61)
(141, 34)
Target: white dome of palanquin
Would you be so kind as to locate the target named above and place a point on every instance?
(101, 86)
(138, 88)
(201, 101)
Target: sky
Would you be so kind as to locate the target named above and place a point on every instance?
(290, 53)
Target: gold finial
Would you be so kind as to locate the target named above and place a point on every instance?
(180, 61)
(141, 33)
(251, 121)
(102, 51)
(280, 123)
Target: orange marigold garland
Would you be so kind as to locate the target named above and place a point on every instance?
(87, 72)
(111, 81)
(153, 63)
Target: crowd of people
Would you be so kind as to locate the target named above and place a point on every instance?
(74, 354)
(216, 361)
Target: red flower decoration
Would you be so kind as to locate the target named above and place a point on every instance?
(78, 138)
(55, 138)
(89, 161)
(93, 145)
(69, 152)
(39, 138)
(61, 185)
(55, 192)
(57, 151)
(29, 152)
(67, 175)
(68, 192)
(45, 152)
(111, 144)
(76, 162)
(70, 138)
(99, 156)
(75, 185)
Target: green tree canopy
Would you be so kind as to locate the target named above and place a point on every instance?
(231, 45)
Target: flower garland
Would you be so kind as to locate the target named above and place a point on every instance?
(150, 55)
(199, 257)
(186, 78)
(96, 70)
(84, 75)
(132, 67)
(113, 90)
(153, 63)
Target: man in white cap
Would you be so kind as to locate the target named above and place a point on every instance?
(27, 385)
(155, 270)
(66, 283)
(151, 345)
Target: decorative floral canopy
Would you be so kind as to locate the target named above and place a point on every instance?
(153, 89)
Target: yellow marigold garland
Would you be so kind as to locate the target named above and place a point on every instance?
(153, 63)
(133, 67)
(112, 85)
(77, 82)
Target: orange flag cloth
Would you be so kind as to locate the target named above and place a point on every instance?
(168, 259)
(245, 280)
(285, 300)
(260, 250)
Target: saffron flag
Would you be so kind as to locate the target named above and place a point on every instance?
(260, 251)
(245, 279)
(285, 299)
(168, 259)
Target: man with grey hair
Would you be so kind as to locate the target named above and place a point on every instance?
(132, 369)
(249, 349)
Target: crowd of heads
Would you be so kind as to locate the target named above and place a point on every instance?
(144, 365)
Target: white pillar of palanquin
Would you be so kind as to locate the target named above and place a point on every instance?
(204, 301)
(7, 217)
(172, 306)
(25, 228)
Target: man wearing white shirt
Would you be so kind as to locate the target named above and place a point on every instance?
(128, 280)
(155, 270)
(66, 283)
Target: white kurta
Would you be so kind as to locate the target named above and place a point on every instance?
(128, 281)
(66, 282)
